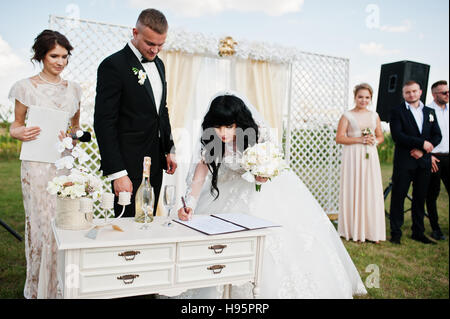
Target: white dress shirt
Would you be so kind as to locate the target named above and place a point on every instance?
(442, 119)
(155, 81)
(417, 112)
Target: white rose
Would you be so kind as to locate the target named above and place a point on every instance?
(249, 177)
(67, 142)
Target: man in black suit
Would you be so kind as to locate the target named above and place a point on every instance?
(439, 156)
(415, 132)
(131, 119)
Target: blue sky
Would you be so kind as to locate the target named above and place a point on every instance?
(369, 33)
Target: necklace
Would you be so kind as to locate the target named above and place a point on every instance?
(57, 83)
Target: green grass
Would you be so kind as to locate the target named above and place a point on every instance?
(412, 270)
(12, 252)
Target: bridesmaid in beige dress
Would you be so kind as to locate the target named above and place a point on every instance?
(46, 89)
(361, 201)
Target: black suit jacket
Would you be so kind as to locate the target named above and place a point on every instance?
(406, 135)
(126, 122)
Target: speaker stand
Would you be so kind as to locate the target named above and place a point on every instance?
(386, 192)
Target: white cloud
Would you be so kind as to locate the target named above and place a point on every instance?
(8, 60)
(405, 27)
(12, 68)
(376, 49)
(196, 8)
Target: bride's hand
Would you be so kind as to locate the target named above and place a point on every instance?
(185, 214)
(261, 179)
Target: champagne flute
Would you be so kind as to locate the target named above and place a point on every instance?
(169, 196)
(147, 205)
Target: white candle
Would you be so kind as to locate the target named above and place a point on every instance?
(124, 198)
(108, 201)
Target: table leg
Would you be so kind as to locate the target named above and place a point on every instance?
(260, 254)
(226, 292)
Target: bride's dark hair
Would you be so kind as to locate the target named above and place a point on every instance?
(226, 110)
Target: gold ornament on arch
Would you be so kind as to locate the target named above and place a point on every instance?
(227, 47)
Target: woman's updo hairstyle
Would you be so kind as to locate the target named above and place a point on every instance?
(46, 41)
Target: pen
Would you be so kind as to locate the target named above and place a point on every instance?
(184, 205)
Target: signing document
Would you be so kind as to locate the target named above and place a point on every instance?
(225, 223)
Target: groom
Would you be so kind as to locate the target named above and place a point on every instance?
(415, 131)
(131, 119)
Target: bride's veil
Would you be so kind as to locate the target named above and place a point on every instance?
(197, 149)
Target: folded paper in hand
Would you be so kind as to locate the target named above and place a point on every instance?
(51, 122)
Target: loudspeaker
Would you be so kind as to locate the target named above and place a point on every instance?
(392, 78)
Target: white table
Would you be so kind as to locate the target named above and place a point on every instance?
(161, 260)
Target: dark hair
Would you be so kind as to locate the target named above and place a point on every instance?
(435, 85)
(226, 110)
(46, 41)
(154, 20)
(411, 82)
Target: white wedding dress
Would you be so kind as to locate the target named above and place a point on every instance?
(305, 258)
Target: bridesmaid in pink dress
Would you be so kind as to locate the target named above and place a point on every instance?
(361, 201)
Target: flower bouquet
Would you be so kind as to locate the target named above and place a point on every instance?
(76, 191)
(78, 183)
(262, 160)
(366, 132)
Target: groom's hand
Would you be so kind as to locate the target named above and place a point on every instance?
(122, 184)
(171, 163)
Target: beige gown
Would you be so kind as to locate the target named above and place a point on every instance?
(39, 205)
(361, 202)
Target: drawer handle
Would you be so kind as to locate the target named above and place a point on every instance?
(129, 255)
(216, 269)
(218, 249)
(127, 279)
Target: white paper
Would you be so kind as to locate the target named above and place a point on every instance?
(246, 221)
(210, 225)
(51, 122)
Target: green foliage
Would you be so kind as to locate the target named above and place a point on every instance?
(386, 149)
(9, 147)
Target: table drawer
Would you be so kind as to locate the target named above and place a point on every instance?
(230, 248)
(132, 278)
(215, 270)
(123, 256)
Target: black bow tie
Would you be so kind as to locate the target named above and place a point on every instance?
(144, 60)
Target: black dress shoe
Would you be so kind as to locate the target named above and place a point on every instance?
(423, 239)
(395, 240)
(437, 235)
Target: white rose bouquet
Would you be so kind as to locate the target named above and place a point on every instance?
(75, 185)
(78, 183)
(262, 160)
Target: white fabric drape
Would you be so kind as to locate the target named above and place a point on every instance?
(193, 79)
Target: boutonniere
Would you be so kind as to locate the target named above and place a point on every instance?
(142, 76)
(431, 118)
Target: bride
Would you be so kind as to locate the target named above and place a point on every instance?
(305, 258)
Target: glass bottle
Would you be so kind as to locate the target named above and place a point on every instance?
(145, 197)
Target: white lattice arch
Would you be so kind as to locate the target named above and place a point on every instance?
(318, 87)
